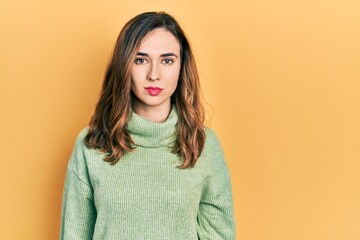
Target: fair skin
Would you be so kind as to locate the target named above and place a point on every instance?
(155, 74)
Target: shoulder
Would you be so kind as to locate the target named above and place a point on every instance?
(81, 135)
(77, 159)
(214, 154)
(213, 149)
(79, 144)
(212, 140)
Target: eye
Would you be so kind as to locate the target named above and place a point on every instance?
(140, 61)
(168, 61)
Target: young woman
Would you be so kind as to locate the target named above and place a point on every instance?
(147, 167)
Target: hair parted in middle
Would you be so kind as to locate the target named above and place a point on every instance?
(107, 127)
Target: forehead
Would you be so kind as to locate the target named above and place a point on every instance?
(158, 41)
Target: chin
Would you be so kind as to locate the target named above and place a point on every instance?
(152, 102)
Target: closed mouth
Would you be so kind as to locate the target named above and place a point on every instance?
(153, 88)
(153, 91)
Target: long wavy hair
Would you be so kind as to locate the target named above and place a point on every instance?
(107, 128)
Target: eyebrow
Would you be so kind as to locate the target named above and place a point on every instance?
(162, 55)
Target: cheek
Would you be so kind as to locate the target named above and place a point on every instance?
(136, 77)
(172, 84)
(173, 76)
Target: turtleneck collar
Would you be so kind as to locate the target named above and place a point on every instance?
(146, 133)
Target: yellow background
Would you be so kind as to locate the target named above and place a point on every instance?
(281, 79)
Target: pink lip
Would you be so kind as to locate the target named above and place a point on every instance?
(153, 91)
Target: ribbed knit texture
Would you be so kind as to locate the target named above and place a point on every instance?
(144, 196)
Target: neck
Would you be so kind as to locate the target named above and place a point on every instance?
(157, 114)
(147, 133)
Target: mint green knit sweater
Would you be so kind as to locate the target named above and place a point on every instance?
(144, 196)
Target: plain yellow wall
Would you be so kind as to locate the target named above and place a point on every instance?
(281, 78)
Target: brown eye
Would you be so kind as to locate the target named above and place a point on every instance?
(168, 61)
(140, 61)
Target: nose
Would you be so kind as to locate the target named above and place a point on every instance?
(154, 73)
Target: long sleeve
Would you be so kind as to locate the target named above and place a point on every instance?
(215, 220)
(78, 214)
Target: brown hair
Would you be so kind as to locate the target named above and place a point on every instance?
(107, 127)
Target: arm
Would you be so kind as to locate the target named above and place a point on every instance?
(78, 213)
(215, 219)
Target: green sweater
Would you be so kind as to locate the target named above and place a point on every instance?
(144, 196)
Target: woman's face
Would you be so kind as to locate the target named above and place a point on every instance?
(155, 71)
